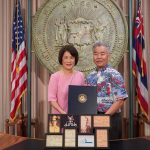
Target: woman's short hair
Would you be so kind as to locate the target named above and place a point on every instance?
(71, 49)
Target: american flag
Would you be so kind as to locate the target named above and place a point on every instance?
(139, 62)
(18, 62)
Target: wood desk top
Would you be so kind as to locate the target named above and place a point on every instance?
(7, 140)
(12, 142)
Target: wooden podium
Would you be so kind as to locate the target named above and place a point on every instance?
(19, 126)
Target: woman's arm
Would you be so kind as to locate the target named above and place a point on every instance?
(57, 107)
(52, 92)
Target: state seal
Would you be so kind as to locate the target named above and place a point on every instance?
(81, 23)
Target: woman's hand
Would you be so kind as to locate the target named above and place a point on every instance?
(63, 112)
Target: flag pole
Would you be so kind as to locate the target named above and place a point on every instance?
(20, 108)
(17, 4)
(130, 72)
(29, 41)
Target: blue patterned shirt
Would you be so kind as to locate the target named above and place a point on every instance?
(110, 86)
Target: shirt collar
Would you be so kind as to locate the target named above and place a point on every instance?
(103, 68)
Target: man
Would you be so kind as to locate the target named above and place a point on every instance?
(111, 92)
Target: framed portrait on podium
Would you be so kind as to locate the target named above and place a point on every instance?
(54, 123)
(54, 140)
(101, 121)
(86, 124)
(69, 121)
(86, 141)
(101, 138)
(70, 139)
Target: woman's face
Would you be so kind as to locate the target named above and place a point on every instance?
(54, 122)
(68, 61)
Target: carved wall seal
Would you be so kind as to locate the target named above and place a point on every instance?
(82, 23)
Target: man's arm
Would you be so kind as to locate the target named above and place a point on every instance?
(114, 108)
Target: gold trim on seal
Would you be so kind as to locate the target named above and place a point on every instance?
(82, 98)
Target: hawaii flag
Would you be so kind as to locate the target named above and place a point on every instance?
(18, 62)
(139, 62)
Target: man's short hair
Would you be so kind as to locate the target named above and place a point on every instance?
(99, 43)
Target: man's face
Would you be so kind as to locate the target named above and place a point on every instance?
(100, 56)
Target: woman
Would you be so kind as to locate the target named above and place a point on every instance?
(54, 124)
(60, 81)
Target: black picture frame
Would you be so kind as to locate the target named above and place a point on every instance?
(86, 124)
(70, 121)
(101, 121)
(54, 140)
(54, 123)
(86, 141)
(102, 138)
(70, 135)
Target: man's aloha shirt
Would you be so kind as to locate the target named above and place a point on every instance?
(110, 86)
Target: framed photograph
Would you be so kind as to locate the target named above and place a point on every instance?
(54, 140)
(86, 141)
(101, 121)
(101, 139)
(70, 139)
(54, 122)
(86, 124)
(69, 121)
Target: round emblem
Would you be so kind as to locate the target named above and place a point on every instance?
(81, 23)
(82, 98)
